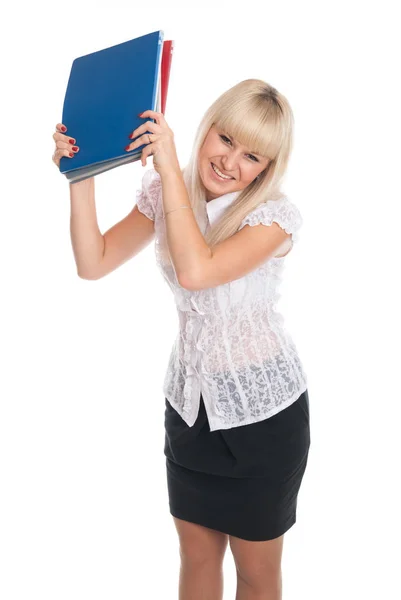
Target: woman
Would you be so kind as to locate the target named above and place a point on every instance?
(236, 401)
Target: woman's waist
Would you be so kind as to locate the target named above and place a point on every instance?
(215, 360)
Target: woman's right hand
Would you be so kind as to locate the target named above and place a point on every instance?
(65, 145)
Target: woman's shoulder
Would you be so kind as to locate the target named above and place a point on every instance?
(151, 181)
(281, 210)
(287, 209)
(148, 198)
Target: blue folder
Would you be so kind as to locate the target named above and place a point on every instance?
(106, 92)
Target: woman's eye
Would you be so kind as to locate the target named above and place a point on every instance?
(228, 141)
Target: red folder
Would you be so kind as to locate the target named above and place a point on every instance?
(168, 47)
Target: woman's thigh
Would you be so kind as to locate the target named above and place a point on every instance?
(257, 563)
(199, 544)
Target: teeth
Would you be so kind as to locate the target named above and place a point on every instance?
(216, 170)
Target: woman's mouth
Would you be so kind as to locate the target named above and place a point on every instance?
(218, 175)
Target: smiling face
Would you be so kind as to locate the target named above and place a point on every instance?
(226, 166)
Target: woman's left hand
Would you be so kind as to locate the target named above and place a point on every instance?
(160, 142)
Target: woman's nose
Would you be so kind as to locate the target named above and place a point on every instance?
(230, 161)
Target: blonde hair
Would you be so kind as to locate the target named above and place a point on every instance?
(259, 117)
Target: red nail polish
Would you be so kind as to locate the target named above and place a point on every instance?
(71, 141)
(127, 147)
(63, 128)
(71, 154)
(140, 114)
(75, 148)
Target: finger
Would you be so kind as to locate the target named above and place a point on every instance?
(59, 153)
(146, 138)
(158, 117)
(148, 126)
(146, 152)
(61, 127)
(62, 145)
(64, 138)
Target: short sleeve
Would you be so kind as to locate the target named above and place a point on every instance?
(281, 211)
(148, 198)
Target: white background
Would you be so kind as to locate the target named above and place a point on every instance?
(84, 506)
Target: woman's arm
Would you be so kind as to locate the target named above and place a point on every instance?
(95, 254)
(87, 241)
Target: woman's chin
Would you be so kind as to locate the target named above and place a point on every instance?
(214, 191)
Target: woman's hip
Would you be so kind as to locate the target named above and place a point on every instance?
(275, 447)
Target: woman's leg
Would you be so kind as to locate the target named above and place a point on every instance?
(258, 567)
(202, 553)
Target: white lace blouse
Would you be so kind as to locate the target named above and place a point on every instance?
(231, 345)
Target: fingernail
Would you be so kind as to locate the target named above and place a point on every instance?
(140, 114)
(63, 128)
(71, 141)
(127, 147)
(72, 154)
(75, 148)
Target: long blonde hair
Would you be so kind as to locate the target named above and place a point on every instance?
(259, 117)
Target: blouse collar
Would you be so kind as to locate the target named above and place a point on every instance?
(217, 206)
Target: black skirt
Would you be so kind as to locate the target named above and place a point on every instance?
(242, 481)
